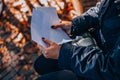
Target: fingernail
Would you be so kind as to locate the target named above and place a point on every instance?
(43, 38)
(53, 27)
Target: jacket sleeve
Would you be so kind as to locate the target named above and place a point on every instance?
(91, 62)
(89, 19)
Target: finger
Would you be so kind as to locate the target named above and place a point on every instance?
(41, 47)
(43, 51)
(60, 20)
(60, 25)
(47, 41)
(46, 55)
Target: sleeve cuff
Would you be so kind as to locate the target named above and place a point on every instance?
(79, 26)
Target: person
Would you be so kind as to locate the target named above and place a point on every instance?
(100, 62)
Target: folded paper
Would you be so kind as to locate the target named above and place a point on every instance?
(42, 20)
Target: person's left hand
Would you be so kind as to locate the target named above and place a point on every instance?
(52, 50)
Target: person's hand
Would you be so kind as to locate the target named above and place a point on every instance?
(52, 50)
(65, 25)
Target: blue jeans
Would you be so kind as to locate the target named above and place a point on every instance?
(58, 75)
(48, 70)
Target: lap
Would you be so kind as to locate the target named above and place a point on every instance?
(48, 70)
(59, 75)
(43, 65)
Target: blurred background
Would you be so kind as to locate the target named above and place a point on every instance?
(17, 51)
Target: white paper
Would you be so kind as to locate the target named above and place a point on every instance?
(42, 20)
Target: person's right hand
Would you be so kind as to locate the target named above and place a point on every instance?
(64, 25)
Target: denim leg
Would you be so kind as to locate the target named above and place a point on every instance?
(44, 66)
(48, 70)
(59, 75)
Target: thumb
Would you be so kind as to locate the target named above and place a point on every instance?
(47, 41)
(60, 25)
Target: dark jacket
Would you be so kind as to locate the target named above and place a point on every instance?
(96, 63)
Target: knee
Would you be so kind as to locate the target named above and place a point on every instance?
(43, 65)
(37, 64)
(40, 65)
